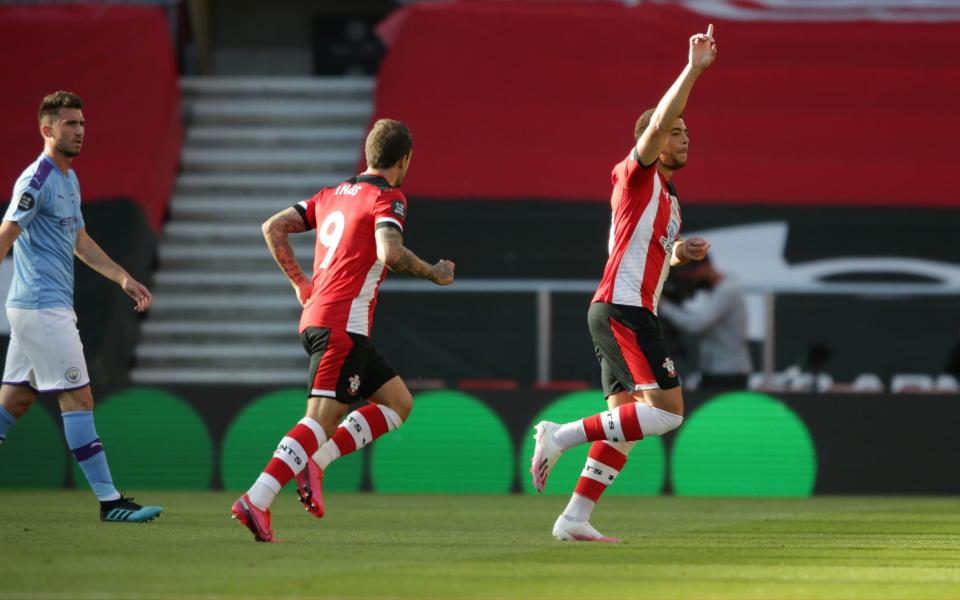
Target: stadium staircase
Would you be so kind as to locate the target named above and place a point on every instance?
(223, 312)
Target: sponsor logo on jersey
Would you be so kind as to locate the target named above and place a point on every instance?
(669, 366)
(26, 201)
(354, 384)
(399, 209)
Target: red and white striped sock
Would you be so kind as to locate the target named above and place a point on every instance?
(361, 427)
(290, 457)
(625, 423)
(604, 463)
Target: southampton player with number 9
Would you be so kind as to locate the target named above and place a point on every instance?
(359, 227)
(330, 233)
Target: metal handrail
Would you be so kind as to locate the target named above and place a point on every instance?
(545, 288)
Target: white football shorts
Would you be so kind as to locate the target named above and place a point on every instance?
(45, 350)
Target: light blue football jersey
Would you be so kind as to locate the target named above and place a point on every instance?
(46, 206)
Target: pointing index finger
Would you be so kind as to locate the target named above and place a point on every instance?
(710, 30)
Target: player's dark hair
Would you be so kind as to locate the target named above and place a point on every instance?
(387, 143)
(643, 122)
(52, 103)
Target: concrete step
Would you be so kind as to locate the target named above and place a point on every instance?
(267, 161)
(354, 112)
(281, 300)
(170, 331)
(347, 139)
(176, 232)
(227, 209)
(217, 279)
(252, 351)
(266, 282)
(214, 313)
(264, 361)
(269, 281)
(250, 261)
(246, 185)
(225, 375)
(237, 289)
(212, 263)
(232, 88)
(260, 280)
(219, 328)
(279, 304)
(199, 339)
(210, 238)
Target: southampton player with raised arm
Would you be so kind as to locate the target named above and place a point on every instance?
(45, 227)
(359, 227)
(639, 380)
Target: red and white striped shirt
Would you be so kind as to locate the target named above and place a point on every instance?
(346, 271)
(643, 229)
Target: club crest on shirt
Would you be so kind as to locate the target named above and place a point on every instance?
(667, 240)
(669, 366)
(26, 201)
(72, 375)
(399, 209)
(354, 381)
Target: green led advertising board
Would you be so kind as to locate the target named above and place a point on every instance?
(452, 443)
(744, 444)
(35, 453)
(153, 440)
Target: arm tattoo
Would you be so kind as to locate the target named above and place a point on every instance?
(399, 258)
(411, 264)
(276, 232)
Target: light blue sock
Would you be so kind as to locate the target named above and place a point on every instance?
(88, 450)
(6, 422)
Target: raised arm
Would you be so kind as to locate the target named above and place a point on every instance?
(87, 250)
(276, 231)
(703, 51)
(399, 259)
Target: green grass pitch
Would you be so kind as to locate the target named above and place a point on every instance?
(407, 546)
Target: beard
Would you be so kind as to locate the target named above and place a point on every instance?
(674, 163)
(66, 151)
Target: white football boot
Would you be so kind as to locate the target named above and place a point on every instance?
(545, 453)
(566, 530)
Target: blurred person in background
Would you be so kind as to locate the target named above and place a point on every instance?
(717, 315)
(640, 382)
(45, 227)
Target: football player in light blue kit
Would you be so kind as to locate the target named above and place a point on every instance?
(45, 227)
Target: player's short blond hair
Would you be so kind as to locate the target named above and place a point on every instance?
(52, 103)
(387, 142)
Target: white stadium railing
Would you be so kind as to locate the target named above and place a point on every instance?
(545, 289)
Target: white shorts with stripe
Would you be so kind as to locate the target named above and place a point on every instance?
(45, 350)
